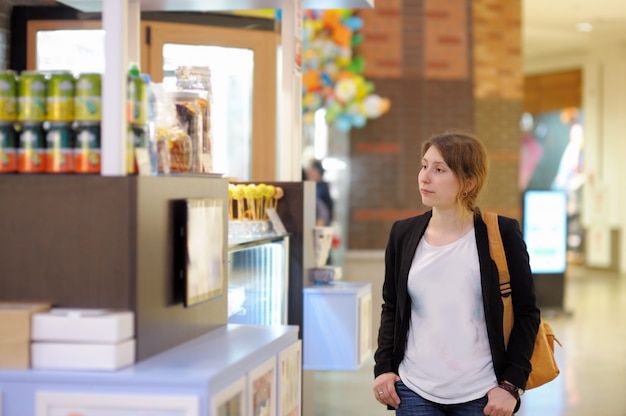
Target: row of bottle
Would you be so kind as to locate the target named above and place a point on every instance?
(58, 137)
(61, 97)
(70, 109)
(36, 97)
(32, 147)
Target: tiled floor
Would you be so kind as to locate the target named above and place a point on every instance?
(592, 360)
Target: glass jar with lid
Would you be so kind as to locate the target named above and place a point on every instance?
(197, 79)
(189, 114)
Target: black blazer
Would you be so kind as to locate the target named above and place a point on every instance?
(513, 364)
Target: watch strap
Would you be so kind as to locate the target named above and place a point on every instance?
(512, 389)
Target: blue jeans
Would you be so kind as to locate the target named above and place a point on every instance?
(411, 404)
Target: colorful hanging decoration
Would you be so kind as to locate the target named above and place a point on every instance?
(332, 76)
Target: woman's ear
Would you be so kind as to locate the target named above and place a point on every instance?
(469, 185)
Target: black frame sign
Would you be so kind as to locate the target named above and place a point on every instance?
(198, 250)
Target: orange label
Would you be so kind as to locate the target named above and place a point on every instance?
(87, 161)
(8, 160)
(30, 160)
(59, 161)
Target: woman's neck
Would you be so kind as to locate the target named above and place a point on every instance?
(452, 218)
(447, 226)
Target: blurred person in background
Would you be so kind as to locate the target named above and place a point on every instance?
(324, 213)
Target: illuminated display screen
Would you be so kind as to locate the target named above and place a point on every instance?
(545, 230)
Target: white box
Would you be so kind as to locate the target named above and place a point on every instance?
(63, 356)
(97, 326)
(337, 323)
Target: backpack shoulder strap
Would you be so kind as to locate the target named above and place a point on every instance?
(496, 250)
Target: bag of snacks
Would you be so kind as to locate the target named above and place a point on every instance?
(189, 114)
(174, 146)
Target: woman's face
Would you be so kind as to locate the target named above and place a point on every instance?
(438, 184)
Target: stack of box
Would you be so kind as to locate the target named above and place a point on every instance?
(15, 332)
(82, 339)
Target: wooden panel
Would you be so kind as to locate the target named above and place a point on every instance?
(161, 322)
(554, 91)
(66, 239)
(264, 104)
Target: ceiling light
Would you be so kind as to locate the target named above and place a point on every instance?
(584, 27)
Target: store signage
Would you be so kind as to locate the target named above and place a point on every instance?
(545, 230)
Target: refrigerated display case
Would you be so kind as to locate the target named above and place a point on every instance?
(258, 280)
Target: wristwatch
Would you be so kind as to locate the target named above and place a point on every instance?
(511, 388)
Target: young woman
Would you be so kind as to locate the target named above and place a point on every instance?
(440, 343)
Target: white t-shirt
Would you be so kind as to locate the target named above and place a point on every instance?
(447, 358)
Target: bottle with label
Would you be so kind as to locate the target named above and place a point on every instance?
(137, 159)
(8, 148)
(151, 117)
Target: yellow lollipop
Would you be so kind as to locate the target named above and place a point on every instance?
(278, 195)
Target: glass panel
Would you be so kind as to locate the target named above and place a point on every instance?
(79, 50)
(231, 110)
(257, 287)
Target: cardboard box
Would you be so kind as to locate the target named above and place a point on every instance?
(15, 319)
(65, 356)
(15, 329)
(97, 326)
(15, 355)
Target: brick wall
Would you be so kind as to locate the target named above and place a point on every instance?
(498, 94)
(444, 65)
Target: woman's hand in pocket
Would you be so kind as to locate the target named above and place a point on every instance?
(385, 390)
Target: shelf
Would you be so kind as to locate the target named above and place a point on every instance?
(340, 288)
(203, 359)
(201, 368)
(215, 5)
(241, 243)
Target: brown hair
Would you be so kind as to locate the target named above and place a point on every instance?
(467, 157)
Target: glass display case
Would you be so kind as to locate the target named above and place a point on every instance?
(258, 284)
